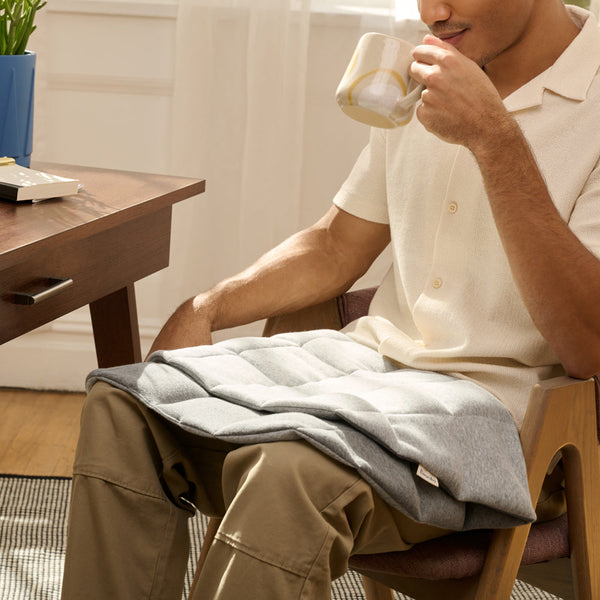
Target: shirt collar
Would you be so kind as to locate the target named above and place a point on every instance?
(572, 73)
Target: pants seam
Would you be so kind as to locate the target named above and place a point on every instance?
(113, 481)
(317, 555)
(330, 532)
(159, 556)
(304, 573)
(170, 455)
(358, 480)
(241, 547)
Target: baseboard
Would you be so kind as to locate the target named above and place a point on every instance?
(57, 356)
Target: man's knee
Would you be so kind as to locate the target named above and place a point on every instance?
(286, 470)
(289, 501)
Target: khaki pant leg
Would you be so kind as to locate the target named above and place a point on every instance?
(294, 516)
(134, 476)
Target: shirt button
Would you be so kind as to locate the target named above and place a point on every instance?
(437, 283)
(453, 207)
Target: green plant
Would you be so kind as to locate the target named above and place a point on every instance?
(16, 24)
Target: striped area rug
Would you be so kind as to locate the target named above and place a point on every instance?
(33, 518)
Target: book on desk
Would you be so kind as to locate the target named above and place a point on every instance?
(19, 184)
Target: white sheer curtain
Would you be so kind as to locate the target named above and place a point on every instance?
(239, 111)
(238, 120)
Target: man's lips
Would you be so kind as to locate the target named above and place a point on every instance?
(451, 37)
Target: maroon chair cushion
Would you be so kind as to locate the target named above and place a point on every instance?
(461, 555)
(547, 541)
(353, 305)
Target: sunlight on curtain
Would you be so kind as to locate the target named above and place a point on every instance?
(239, 110)
(401, 9)
(238, 113)
(406, 9)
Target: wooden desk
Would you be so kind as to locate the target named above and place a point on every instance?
(97, 243)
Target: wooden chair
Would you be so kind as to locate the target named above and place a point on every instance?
(563, 417)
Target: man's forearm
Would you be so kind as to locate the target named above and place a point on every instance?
(309, 267)
(302, 271)
(558, 278)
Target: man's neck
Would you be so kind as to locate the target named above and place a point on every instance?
(538, 50)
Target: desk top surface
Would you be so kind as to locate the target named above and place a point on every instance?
(108, 198)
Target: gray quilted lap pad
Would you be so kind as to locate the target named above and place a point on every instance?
(356, 406)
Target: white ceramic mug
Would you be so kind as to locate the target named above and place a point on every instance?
(376, 88)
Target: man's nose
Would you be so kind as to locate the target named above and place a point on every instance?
(434, 11)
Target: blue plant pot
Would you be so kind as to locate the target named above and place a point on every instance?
(17, 79)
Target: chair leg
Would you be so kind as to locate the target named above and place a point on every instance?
(583, 490)
(375, 590)
(211, 530)
(502, 563)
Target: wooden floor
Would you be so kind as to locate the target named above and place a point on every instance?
(38, 432)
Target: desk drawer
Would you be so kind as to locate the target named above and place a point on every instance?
(96, 265)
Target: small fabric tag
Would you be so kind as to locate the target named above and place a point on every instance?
(423, 473)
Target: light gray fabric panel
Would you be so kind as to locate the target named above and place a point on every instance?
(355, 405)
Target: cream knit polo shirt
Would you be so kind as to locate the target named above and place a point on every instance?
(449, 302)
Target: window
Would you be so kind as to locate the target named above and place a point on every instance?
(401, 9)
(407, 9)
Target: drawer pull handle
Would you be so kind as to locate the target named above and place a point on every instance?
(51, 287)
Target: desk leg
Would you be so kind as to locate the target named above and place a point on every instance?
(116, 331)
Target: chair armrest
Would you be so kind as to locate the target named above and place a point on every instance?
(325, 315)
(331, 314)
(561, 414)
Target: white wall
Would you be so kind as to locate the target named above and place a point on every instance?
(106, 79)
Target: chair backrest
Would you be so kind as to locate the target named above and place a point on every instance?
(355, 304)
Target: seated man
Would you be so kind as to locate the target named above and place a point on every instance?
(491, 200)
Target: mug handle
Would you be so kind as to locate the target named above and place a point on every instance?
(413, 95)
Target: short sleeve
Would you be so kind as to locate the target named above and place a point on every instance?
(585, 217)
(363, 194)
